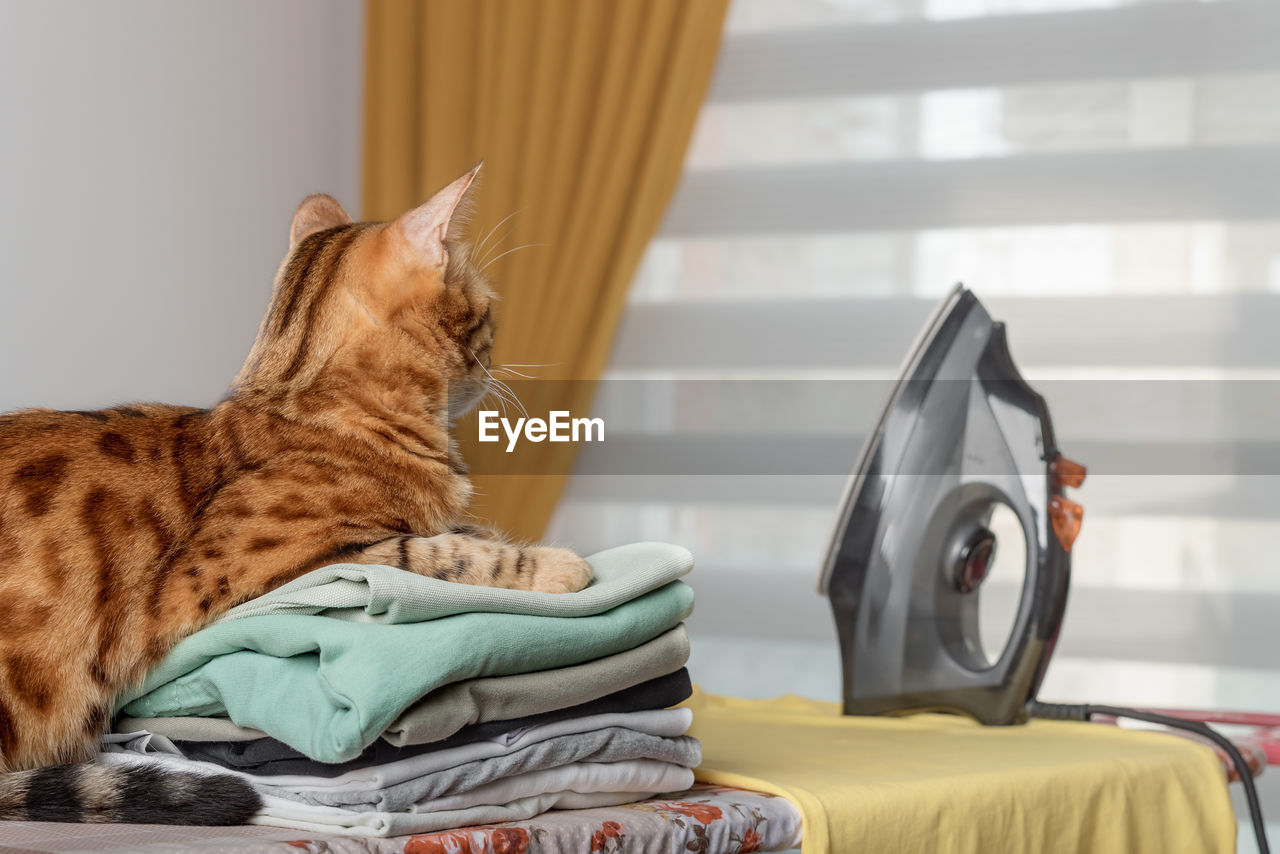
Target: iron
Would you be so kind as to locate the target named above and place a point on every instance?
(962, 435)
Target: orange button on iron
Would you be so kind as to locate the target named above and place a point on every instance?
(1066, 472)
(1066, 516)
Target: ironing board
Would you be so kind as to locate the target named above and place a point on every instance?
(925, 783)
(942, 783)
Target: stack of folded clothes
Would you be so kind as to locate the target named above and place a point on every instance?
(368, 700)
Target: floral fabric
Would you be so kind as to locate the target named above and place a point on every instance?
(703, 820)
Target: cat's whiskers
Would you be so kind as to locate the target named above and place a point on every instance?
(502, 388)
(510, 389)
(480, 246)
(487, 264)
(512, 396)
(481, 260)
(508, 398)
(506, 392)
(493, 392)
(505, 371)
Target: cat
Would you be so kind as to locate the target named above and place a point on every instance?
(124, 530)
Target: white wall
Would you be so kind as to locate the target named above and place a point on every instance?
(151, 156)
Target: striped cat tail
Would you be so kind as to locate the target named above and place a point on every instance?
(88, 792)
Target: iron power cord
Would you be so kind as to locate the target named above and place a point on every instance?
(1083, 712)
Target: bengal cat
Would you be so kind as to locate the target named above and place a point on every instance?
(124, 530)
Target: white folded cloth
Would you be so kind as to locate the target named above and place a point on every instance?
(575, 786)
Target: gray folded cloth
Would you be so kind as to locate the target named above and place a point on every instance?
(611, 744)
(269, 756)
(445, 711)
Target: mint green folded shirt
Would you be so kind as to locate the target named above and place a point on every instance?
(328, 687)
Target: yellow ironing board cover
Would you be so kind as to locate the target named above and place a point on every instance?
(940, 783)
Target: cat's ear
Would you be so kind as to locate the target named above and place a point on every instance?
(316, 213)
(425, 227)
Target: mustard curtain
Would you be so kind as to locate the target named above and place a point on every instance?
(582, 111)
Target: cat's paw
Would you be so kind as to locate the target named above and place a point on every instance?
(557, 570)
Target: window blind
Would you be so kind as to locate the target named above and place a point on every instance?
(1103, 175)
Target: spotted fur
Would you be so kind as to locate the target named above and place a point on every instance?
(124, 530)
(87, 792)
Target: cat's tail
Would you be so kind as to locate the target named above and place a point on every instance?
(89, 792)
